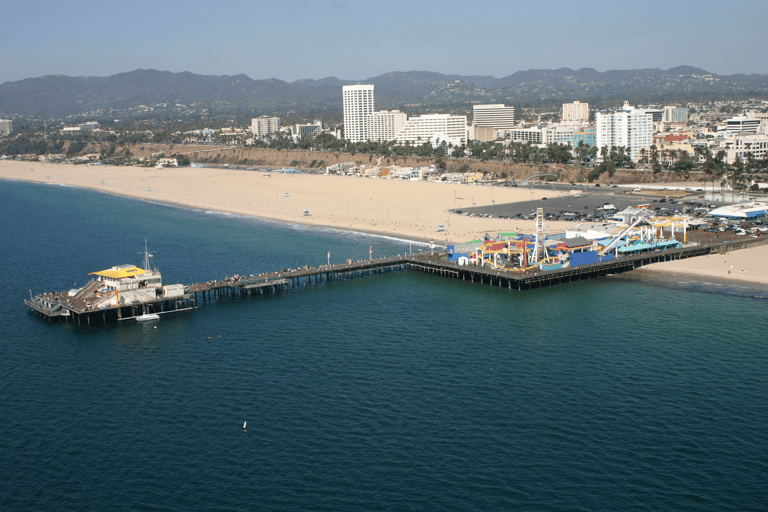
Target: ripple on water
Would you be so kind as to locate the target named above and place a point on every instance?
(402, 391)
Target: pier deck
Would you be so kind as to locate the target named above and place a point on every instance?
(59, 306)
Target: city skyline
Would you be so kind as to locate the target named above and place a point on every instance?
(304, 39)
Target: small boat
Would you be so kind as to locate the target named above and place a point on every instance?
(147, 317)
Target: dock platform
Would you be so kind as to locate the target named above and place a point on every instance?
(59, 306)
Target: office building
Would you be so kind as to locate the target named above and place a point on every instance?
(629, 128)
(741, 124)
(657, 115)
(497, 116)
(575, 111)
(384, 125)
(358, 105)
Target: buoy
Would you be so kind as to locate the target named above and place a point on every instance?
(244, 423)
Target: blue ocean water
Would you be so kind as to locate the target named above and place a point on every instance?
(396, 392)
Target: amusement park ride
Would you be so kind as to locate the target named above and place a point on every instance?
(523, 252)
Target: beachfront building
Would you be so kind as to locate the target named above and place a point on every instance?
(358, 105)
(384, 125)
(741, 124)
(575, 111)
(6, 126)
(264, 125)
(434, 128)
(301, 131)
(497, 116)
(629, 128)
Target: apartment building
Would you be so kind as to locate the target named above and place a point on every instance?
(264, 125)
(629, 128)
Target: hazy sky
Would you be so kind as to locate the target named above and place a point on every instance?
(293, 39)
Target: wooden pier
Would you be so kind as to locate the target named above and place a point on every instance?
(55, 306)
(281, 281)
(517, 280)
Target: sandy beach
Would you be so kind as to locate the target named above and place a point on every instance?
(404, 209)
(745, 265)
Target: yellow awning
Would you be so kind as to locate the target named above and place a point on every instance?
(118, 273)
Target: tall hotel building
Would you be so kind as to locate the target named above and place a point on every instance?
(498, 116)
(575, 111)
(358, 104)
(629, 128)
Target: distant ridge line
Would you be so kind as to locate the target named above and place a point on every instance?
(54, 95)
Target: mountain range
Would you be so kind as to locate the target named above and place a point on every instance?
(57, 95)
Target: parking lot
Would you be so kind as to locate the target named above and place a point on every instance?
(590, 204)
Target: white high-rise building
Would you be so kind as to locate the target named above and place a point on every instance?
(384, 125)
(6, 126)
(264, 125)
(358, 104)
(434, 128)
(575, 111)
(629, 128)
(497, 116)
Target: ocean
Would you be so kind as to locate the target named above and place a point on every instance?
(395, 392)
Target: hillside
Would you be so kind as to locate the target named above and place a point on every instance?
(59, 95)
